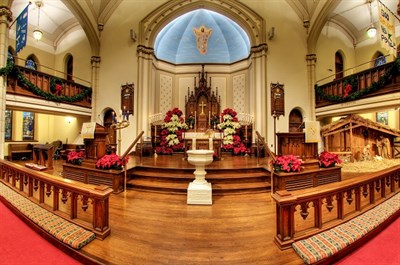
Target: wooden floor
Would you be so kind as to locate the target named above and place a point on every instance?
(159, 228)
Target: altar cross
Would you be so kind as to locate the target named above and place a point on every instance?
(202, 105)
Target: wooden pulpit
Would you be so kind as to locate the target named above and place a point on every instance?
(95, 142)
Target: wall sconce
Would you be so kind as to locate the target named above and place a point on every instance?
(133, 35)
(37, 33)
(68, 119)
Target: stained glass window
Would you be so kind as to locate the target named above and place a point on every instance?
(8, 125)
(28, 125)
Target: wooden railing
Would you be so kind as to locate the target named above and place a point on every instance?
(261, 142)
(363, 81)
(22, 84)
(83, 204)
(303, 213)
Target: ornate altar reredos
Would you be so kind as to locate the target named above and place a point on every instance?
(202, 104)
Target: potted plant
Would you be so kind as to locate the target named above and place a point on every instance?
(229, 126)
(75, 157)
(327, 159)
(287, 163)
(112, 161)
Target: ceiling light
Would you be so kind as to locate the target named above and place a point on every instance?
(371, 31)
(37, 33)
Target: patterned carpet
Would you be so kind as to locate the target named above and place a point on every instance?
(65, 231)
(326, 244)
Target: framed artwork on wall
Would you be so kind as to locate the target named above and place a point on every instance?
(382, 117)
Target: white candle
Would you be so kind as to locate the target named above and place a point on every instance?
(210, 143)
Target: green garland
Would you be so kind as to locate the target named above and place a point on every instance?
(12, 70)
(352, 80)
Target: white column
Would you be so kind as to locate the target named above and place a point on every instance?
(5, 19)
(144, 85)
(258, 98)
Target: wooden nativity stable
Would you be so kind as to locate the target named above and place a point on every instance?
(355, 138)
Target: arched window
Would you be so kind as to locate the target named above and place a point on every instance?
(31, 62)
(69, 67)
(379, 59)
(338, 65)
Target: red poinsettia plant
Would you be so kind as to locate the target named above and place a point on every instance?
(287, 163)
(112, 161)
(230, 126)
(327, 159)
(75, 157)
(171, 135)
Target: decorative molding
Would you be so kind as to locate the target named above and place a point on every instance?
(165, 93)
(239, 87)
(5, 11)
(249, 20)
(95, 60)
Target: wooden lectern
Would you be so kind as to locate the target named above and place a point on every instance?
(96, 142)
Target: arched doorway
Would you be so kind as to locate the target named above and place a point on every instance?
(295, 121)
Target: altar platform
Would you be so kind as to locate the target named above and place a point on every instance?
(173, 173)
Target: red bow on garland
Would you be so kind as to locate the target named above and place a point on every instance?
(59, 88)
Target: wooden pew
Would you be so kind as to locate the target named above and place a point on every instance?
(20, 149)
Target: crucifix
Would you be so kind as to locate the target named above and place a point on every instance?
(202, 105)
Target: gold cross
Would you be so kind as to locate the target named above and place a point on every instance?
(202, 105)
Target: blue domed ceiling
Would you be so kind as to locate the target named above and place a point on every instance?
(223, 40)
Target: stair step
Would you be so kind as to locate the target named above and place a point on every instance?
(181, 187)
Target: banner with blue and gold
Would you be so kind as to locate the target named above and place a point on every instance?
(22, 30)
(387, 35)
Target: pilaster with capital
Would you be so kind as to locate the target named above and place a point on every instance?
(95, 62)
(146, 90)
(5, 20)
(258, 98)
(311, 77)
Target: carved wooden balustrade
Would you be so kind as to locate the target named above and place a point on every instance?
(27, 82)
(83, 204)
(303, 213)
(376, 81)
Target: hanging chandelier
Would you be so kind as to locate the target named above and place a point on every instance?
(37, 33)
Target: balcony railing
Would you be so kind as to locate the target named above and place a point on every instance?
(31, 83)
(376, 81)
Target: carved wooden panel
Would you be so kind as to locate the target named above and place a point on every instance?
(277, 99)
(127, 99)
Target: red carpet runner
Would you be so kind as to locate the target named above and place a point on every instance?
(383, 249)
(19, 244)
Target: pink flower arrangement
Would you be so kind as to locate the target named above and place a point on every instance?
(75, 158)
(287, 163)
(112, 161)
(327, 159)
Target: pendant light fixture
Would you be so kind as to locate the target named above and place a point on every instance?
(37, 33)
(371, 31)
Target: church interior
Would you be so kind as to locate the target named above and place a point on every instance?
(201, 132)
